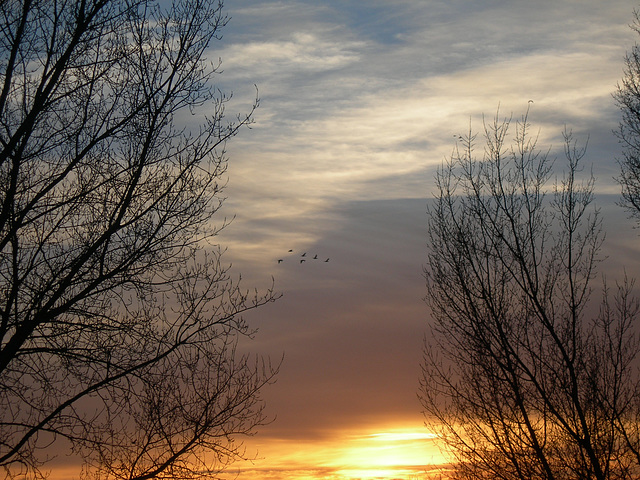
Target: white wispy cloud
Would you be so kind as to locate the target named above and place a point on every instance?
(301, 52)
(360, 101)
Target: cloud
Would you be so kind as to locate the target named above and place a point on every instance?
(348, 115)
(302, 52)
(401, 132)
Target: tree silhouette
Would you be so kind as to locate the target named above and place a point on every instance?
(118, 320)
(525, 375)
(627, 97)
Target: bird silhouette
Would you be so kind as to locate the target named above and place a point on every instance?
(326, 260)
(304, 254)
(315, 257)
(290, 251)
(280, 260)
(302, 260)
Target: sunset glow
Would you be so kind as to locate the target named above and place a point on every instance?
(402, 453)
(388, 449)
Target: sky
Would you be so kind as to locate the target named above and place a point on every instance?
(360, 102)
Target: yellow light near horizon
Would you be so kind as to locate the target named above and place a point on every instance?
(376, 473)
(373, 452)
(399, 436)
(388, 454)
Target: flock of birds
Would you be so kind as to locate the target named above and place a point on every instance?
(303, 259)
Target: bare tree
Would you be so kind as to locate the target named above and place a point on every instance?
(525, 375)
(627, 97)
(118, 321)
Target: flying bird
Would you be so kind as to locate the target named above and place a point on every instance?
(290, 251)
(280, 260)
(302, 260)
(326, 260)
(315, 257)
(304, 254)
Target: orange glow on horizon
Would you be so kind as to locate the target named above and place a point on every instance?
(375, 453)
(382, 453)
(388, 454)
